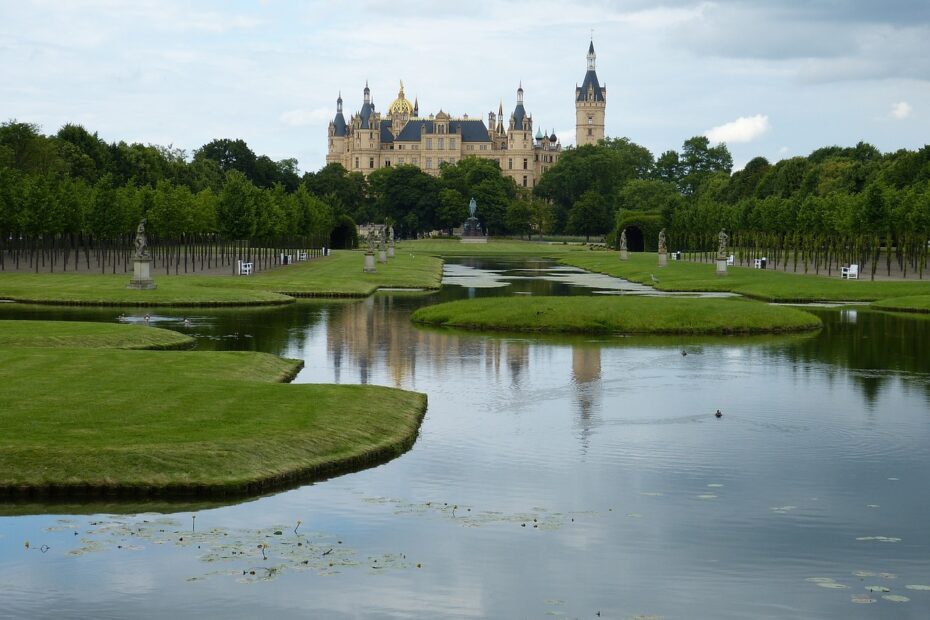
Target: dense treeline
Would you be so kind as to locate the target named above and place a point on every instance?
(835, 206)
(72, 194)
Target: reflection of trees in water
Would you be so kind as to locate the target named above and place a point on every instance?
(870, 342)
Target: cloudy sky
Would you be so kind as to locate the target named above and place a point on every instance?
(775, 78)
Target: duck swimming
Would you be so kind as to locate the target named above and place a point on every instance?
(718, 414)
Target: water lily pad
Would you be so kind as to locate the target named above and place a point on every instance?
(820, 579)
(715, 485)
(864, 573)
(862, 599)
(884, 539)
(878, 589)
(896, 598)
(917, 586)
(707, 496)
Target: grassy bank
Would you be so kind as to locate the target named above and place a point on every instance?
(18, 334)
(88, 421)
(914, 303)
(339, 275)
(757, 283)
(627, 315)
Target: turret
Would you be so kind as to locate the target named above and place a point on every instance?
(337, 135)
(590, 105)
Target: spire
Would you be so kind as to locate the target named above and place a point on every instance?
(591, 56)
(416, 106)
(500, 119)
(367, 93)
(520, 93)
(339, 103)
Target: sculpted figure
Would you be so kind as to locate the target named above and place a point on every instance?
(662, 248)
(623, 239)
(371, 240)
(141, 242)
(472, 207)
(722, 239)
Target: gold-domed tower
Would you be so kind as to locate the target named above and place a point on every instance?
(400, 111)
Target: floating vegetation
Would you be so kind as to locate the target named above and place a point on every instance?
(782, 510)
(878, 588)
(715, 485)
(862, 599)
(917, 586)
(896, 598)
(707, 496)
(254, 554)
(872, 506)
(833, 585)
(864, 573)
(651, 494)
(820, 579)
(884, 539)
(538, 518)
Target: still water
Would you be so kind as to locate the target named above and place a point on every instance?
(553, 477)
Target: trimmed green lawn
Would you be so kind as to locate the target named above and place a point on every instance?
(339, 275)
(767, 285)
(628, 315)
(17, 334)
(913, 303)
(87, 421)
(185, 422)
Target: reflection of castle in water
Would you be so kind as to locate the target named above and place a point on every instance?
(586, 377)
(377, 333)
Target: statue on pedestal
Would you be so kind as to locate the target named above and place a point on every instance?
(662, 248)
(623, 240)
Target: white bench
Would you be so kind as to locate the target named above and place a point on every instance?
(850, 273)
(245, 269)
(760, 263)
(301, 255)
(731, 260)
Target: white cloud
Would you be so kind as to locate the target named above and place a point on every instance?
(743, 129)
(901, 110)
(299, 118)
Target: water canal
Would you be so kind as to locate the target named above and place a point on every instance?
(552, 477)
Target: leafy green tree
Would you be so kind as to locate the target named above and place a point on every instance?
(236, 209)
(453, 209)
(699, 161)
(519, 217)
(589, 215)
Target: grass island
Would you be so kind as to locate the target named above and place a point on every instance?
(618, 314)
(82, 420)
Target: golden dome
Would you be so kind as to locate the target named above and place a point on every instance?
(401, 105)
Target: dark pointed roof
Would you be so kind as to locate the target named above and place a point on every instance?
(590, 79)
(340, 123)
(519, 113)
(591, 47)
(365, 114)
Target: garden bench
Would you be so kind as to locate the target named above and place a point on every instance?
(245, 269)
(850, 273)
(759, 263)
(731, 260)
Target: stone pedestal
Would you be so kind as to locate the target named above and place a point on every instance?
(390, 251)
(663, 259)
(382, 256)
(142, 274)
(721, 267)
(624, 255)
(369, 263)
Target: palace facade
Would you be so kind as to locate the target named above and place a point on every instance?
(371, 140)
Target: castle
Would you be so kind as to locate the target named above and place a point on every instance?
(371, 140)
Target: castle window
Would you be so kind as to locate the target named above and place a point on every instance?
(387, 162)
(371, 162)
(590, 120)
(510, 164)
(442, 143)
(524, 180)
(589, 132)
(451, 143)
(429, 143)
(429, 163)
(356, 162)
(525, 163)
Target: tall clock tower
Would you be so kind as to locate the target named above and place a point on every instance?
(590, 105)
